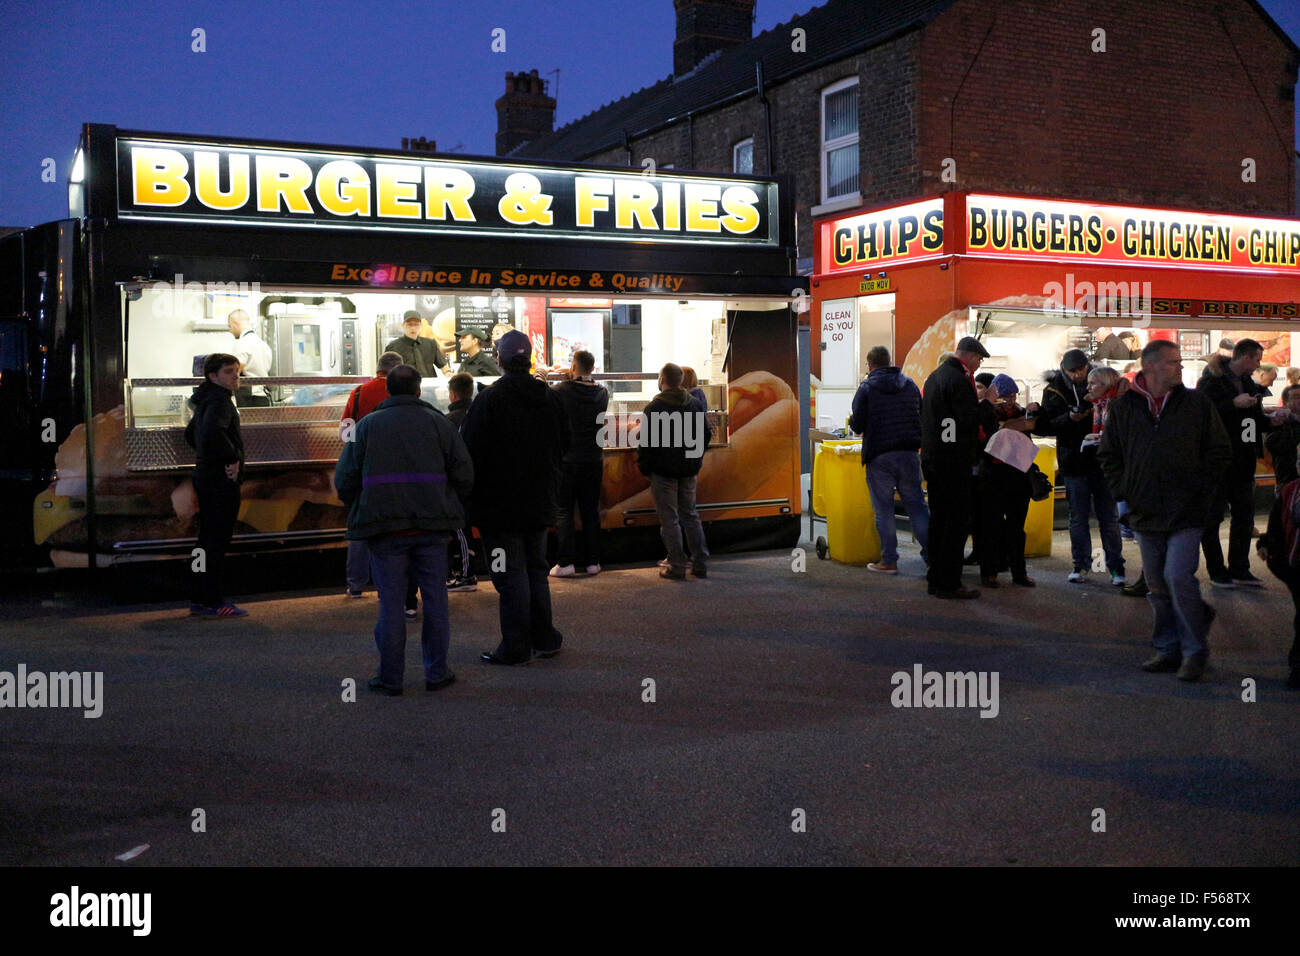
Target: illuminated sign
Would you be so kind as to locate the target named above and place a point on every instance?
(1007, 226)
(285, 186)
(886, 235)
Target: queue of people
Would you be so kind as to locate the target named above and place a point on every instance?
(1169, 459)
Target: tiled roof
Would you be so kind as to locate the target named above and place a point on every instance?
(834, 30)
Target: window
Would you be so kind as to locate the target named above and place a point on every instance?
(840, 140)
(742, 157)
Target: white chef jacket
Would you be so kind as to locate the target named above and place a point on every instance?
(255, 356)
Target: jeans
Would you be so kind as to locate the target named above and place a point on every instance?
(901, 470)
(675, 505)
(524, 595)
(393, 559)
(358, 572)
(1237, 493)
(949, 486)
(1089, 492)
(579, 480)
(1169, 561)
(218, 509)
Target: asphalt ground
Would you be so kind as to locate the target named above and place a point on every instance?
(772, 708)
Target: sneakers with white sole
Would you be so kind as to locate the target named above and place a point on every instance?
(563, 571)
(593, 569)
(1118, 579)
(881, 568)
(1076, 576)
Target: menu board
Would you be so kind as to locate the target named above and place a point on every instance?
(477, 312)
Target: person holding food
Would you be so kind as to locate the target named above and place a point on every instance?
(213, 433)
(671, 450)
(422, 354)
(477, 362)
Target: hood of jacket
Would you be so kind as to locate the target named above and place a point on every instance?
(1216, 365)
(209, 392)
(586, 393)
(889, 380)
(1073, 394)
(674, 396)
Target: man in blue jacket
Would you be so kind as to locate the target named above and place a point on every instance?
(403, 477)
(887, 414)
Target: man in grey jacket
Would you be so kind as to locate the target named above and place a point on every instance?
(404, 477)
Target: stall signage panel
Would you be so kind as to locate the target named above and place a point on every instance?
(885, 236)
(255, 185)
(1225, 307)
(1010, 226)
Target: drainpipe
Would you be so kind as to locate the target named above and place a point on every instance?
(767, 116)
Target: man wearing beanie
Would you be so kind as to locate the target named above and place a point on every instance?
(1066, 414)
(517, 435)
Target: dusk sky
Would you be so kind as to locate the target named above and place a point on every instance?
(342, 73)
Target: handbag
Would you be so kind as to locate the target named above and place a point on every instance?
(1040, 486)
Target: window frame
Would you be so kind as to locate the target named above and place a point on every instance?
(747, 141)
(838, 143)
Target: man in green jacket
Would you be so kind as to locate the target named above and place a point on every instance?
(404, 477)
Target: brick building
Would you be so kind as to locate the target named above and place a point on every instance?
(871, 103)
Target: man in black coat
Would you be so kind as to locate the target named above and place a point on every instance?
(213, 432)
(1163, 451)
(516, 435)
(1237, 397)
(1283, 440)
(421, 354)
(950, 444)
(585, 402)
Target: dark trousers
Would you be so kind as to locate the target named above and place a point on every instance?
(394, 560)
(580, 482)
(1293, 585)
(517, 561)
(218, 509)
(1238, 493)
(1004, 504)
(949, 488)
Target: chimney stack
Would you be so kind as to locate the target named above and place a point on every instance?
(525, 113)
(707, 25)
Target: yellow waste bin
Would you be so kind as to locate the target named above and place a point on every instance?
(1038, 522)
(840, 495)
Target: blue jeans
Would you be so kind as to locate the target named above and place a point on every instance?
(1082, 493)
(1169, 561)
(392, 559)
(675, 505)
(524, 595)
(885, 472)
(901, 470)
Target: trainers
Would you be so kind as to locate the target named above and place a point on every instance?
(1192, 669)
(563, 571)
(196, 610)
(411, 613)
(463, 584)
(881, 568)
(1222, 581)
(665, 563)
(1076, 576)
(224, 610)
(593, 569)
(354, 594)
(1161, 663)
(1247, 580)
(1127, 534)
(672, 574)
(1117, 578)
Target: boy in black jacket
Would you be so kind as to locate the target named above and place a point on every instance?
(673, 436)
(218, 469)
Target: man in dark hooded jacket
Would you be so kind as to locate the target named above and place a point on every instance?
(887, 414)
(1066, 414)
(516, 435)
(671, 443)
(213, 432)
